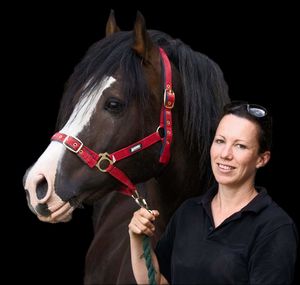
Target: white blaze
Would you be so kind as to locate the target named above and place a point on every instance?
(84, 110)
(48, 163)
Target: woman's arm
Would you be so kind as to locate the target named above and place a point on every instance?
(142, 224)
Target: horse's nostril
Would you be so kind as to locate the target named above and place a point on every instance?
(43, 210)
(41, 189)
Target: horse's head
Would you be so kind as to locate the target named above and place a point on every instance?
(117, 121)
(113, 100)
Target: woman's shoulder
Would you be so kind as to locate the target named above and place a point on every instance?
(272, 209)
(278, 216)
(271, 214)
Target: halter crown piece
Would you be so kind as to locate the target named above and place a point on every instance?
(105, 161)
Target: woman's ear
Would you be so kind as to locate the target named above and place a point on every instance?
(263, 159)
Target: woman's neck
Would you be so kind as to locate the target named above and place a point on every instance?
(229, 197)
(228, 201)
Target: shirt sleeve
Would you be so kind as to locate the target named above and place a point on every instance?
(273, 258)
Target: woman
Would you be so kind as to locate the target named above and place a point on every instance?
(234, 233)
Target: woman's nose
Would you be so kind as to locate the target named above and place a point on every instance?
(226, 153)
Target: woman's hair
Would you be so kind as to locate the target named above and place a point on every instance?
(256, 114)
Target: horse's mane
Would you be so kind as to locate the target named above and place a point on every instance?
(203, 86)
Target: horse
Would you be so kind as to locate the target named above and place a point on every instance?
(136, 119)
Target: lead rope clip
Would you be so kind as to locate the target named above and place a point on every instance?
(140, 201)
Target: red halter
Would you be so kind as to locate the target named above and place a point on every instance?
(105, 161)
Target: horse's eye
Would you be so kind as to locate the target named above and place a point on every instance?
(114, 106)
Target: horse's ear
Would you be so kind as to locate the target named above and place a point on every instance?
(111, 25)
(143, 45)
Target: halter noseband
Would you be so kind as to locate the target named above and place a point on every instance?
(105, 161)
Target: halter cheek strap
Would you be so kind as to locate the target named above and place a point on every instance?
(165, 113)
(105, 161)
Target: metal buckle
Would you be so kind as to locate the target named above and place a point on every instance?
(104, 156)
(70, 148)
(168, 104)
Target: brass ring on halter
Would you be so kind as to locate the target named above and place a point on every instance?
(104, 157)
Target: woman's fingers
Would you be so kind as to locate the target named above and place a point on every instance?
(145, 227)
(141, 222)
(134, 228)
(155, 213)
(137, 227)
(151, 215)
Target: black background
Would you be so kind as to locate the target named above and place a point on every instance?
(255, 46)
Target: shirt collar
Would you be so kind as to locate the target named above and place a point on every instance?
(261, 201)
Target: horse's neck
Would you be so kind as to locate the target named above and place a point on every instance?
(111, 216)
(108, 258)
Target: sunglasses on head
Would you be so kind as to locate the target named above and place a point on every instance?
(255, 110)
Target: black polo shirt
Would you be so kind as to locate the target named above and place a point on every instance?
(257, 245)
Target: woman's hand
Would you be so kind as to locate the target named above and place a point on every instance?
(142, 222)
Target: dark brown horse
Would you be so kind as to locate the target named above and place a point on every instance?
(117, 127)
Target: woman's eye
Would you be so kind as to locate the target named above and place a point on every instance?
(218, 141)
(241, 146)
(114, 106)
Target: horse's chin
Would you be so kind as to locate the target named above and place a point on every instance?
(59, 211)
